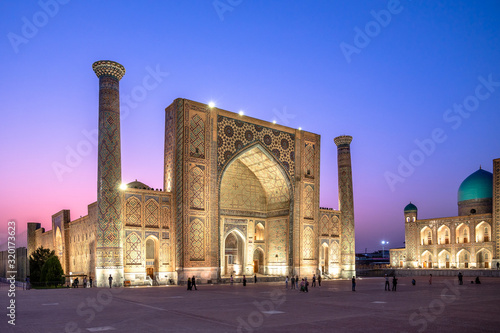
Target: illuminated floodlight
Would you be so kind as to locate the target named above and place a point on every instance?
(211, 104)
(123, 186)
(300, 128)
(274, 121)
(241, 113)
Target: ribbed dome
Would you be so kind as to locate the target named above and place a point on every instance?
(478, 185)
(410, 207)
(137, 184)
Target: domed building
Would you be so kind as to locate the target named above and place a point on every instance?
(469, 240)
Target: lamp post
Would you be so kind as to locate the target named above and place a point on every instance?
(383, 248)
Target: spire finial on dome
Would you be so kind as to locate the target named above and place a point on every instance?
(480, 167)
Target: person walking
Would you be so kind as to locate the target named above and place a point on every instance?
(286, 283)
(394, 283)
(84, 282)
(90, 282)
(255, 278)
(319, 280)
(232, 279)
(302, 286)
(430, 278)
(353, 283)
(189, 286)
(306, 285)
(314, 281)
(193, 283)
(297, 281)
(387, 286)
(110, 280)
(460, 278)
(244, 281)
(293, 282)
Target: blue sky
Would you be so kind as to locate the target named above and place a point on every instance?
(280, 60)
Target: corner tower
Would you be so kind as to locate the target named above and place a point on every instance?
(411, 233)
(346, 206)
(109, 250)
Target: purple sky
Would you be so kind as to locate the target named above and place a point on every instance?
(388, 73)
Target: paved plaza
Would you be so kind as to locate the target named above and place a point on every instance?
(264, 307)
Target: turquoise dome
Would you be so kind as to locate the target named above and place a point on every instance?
(410, 207)
(478, 185)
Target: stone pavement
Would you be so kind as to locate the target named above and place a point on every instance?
(264, 307)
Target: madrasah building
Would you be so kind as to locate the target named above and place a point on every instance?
(469, 240)
(240, 196)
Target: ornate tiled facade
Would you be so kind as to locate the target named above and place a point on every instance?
(240, 195)
(469, 240)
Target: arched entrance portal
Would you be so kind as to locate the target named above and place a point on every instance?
(254, 208)
(234, 248)
(151, 257)
(258, 261)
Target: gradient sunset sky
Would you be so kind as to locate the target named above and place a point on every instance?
(416, 83)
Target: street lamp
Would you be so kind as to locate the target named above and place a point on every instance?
(383, 248)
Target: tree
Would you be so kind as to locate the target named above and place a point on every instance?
(37, 259)
(52, 272)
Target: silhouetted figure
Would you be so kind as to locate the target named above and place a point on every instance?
(189, 286)
(319, 280)
(293, 282)
(255, 278)
(387, 286)
(413, 281)
(110, 279)
(193, 282)
(244, 281)
(394, 283)
(90, 282)
(430, 278)
(460, 278)
(353, 283)
(306, 285)
(477, 280)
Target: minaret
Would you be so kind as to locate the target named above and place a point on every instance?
(109, 250)
(411, 235)
(346, 206)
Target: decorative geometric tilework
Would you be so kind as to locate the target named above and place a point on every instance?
(333, 226)
(152, 214)
(308, 202)
(309, 160)
(167, 217)
(324, 225)
(133, 212)
(197, 137)
(234, 135)
(308, 243)
(196, 241)
(277, 240)
(133, 249)
(335, 252)
(165, 253)
(196, 188)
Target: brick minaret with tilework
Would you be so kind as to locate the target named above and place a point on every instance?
(346, 206)
(109, 248)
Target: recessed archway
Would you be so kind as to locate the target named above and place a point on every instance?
(256, 196)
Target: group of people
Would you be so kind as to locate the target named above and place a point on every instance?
(86, 284)
(191, 283)
(387, 286)
(303, 286)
